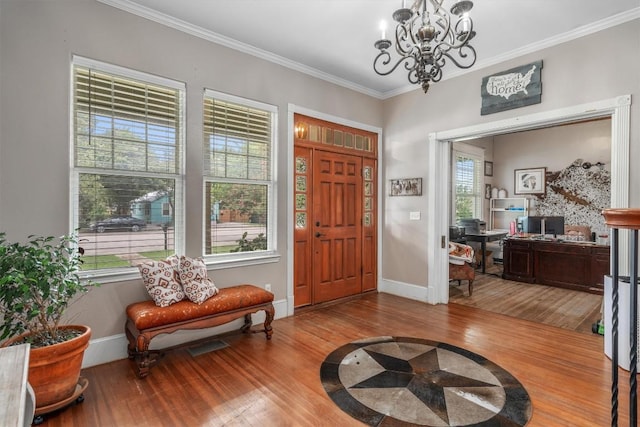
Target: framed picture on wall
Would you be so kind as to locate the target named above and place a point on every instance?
(488, 168)
(529, 181)
(487, 191)
(405, 187)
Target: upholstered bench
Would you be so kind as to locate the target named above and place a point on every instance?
(146, 320)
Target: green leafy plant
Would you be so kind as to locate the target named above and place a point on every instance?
(38, 280)
(258, 243)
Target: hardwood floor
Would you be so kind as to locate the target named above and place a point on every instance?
(255, 382)
(564, 308)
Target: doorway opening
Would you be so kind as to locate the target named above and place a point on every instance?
(618, 109)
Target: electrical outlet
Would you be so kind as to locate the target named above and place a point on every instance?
(267, 287)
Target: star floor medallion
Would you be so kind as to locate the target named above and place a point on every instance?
(399, 381)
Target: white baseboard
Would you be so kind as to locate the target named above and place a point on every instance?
(405, 290)
(114, 347)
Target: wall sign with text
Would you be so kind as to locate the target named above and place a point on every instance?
(514, 88)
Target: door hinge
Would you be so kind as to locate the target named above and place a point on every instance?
(443, 242)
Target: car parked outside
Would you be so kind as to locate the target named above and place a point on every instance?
(118, 223)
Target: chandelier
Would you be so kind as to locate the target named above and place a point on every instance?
(425, 38)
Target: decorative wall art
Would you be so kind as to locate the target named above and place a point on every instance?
(529, 181)
(488, 168)
(487, 191)
(514, 88)
(405, 187)
(578, 192)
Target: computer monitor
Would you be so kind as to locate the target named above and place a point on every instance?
(534, 224)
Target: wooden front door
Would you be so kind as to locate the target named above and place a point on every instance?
(335, 211)
(336, 226)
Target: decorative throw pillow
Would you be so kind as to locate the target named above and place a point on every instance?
(174, 260)
(195, 281)
(159, 278)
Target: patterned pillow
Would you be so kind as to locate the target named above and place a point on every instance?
(195, 281)
(174, 260)
(159, 278)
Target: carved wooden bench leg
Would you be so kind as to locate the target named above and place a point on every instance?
(246, 328)
(269, 314)
(131, 340)
(147, 360)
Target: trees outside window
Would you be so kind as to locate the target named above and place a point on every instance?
(127, 150)
(238, 136)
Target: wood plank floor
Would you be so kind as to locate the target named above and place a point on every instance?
(255, 382)
(564, 308)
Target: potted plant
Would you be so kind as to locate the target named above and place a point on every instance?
(38, 280)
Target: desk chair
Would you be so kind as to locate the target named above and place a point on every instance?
(460, 264)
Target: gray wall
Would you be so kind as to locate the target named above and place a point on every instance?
(37, 41)
(597, 67)
(38, 38)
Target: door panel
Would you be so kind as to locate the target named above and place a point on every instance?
(337, 252)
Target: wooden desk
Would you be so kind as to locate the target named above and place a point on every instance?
(483, 238)
(16, 399)
(572, 265)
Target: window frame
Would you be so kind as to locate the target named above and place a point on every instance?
(127, 273)
(237, 259)
(477, 154)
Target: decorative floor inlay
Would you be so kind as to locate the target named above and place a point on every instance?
(400, 381)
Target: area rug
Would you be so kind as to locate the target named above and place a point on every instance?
(400, 381)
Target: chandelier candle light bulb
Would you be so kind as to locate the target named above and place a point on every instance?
(383, 29)
(424, 44)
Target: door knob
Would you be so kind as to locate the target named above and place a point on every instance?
(319, 234)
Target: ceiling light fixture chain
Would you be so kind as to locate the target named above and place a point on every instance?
(425, 39)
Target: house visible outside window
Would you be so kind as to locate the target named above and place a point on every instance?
(166, 209)
(467, 181)
(239, 189)
(127, 154)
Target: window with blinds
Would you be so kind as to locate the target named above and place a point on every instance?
(467, 182)
(238, 147)
(127, 151)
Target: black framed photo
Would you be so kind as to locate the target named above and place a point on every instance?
(488, 168)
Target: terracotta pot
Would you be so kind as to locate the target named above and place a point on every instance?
(54, 370)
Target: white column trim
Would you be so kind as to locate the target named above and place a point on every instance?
(438, 220)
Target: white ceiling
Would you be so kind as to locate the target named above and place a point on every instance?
(333, 39)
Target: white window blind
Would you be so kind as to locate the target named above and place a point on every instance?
(238, 148)
(467, 181)
(127, 150)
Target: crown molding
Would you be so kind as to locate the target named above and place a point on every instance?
(169, 21)
(194, 30)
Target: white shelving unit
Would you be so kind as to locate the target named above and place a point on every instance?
(504, 210)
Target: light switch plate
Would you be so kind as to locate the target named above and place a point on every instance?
(414, 216)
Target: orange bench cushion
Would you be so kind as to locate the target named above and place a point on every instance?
(147, 314)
